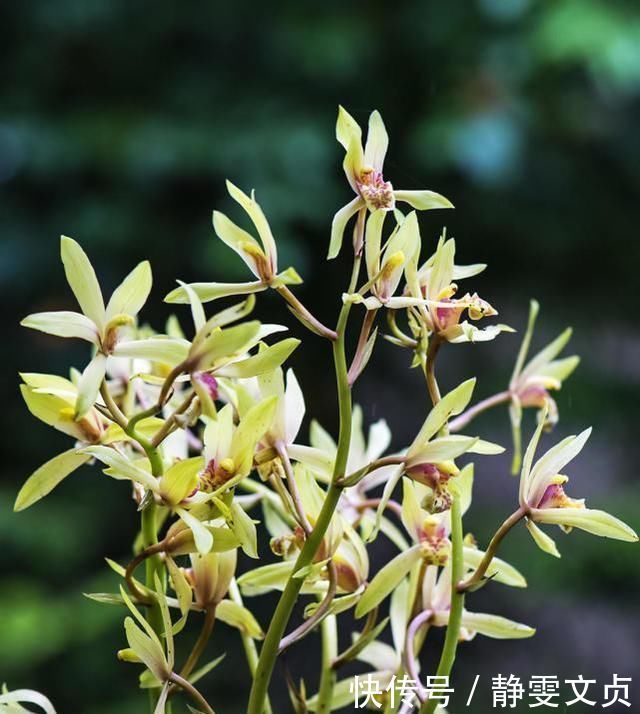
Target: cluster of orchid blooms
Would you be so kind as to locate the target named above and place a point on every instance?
(205, 425)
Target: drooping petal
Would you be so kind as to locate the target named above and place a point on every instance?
(596, 522)
(82, 280)
(63, 324)
(89, 384)
(339, 224)
(214, 291)
(423, 200)
(201, 534)
(121, 468)
(132, 293)
(542, 540)
(499, 628)
(499, 570)
(294, 407)
(44, 479)
(25, 695)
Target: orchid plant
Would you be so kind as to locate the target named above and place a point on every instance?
(204, 423)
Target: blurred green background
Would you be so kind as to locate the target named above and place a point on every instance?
(119, 122)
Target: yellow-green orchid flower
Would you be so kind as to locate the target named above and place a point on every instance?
(363, 168)
(260, 256)
(531, 384)
(442, 312)
(430, 458)
(385, 267)
(543, 498)
(97, 324)
(436, 598)
(53, 400)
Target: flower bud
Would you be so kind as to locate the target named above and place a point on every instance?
(210, 576)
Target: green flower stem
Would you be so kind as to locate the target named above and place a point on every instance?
(269, 651)
(329, 630)
(432, 384)
(195, 695)
(491, 551)
(201, 642)
(248, 643)
(457, 602)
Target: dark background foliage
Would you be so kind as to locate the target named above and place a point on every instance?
(119, 122)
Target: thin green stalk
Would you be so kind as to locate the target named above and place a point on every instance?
(329, 630)
(269, 651)
(248, 643)
(457, 602)
(491, 551)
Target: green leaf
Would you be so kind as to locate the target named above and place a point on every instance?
(48, 476)
(63, 324)
(132, 293)
(387, 579)
(239, 617)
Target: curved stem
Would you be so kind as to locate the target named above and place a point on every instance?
(293, 489)
(457, 602)
(192, 692)
(491, 551)
(358, 359)
(308, 625)
(144, 597)
(354, 478)
(353, 650)
(461, 421)
(269, 651)
(430, 373)
(410, 655)
(307, 319)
